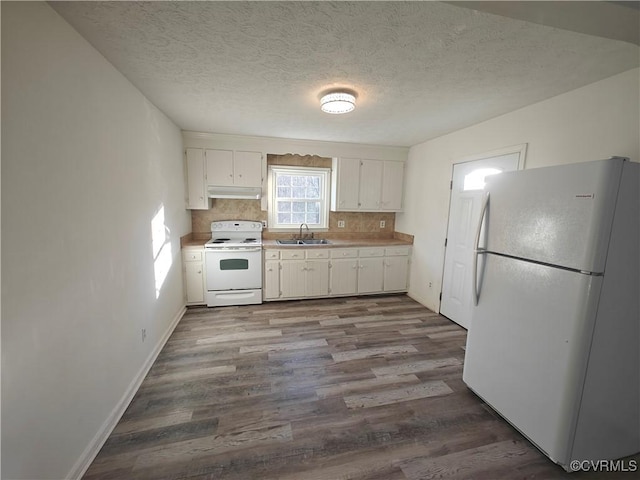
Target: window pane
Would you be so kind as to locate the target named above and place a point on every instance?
(298, 207)
(313, 218)
(284, 218)
(298, 192)
(298, 218)
(284, 192)
(299, 181)
(313, 192)
(284, 206)
(313, 207)
(283, 180)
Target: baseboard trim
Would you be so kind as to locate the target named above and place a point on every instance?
(90, 453)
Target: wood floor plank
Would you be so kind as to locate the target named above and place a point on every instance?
(341, 388)
(477, 461)
(213, 445)
(414, 367)
(231, 337)
(404, 394)
(372, 352)
(277, 347)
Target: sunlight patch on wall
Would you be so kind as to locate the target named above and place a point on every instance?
(161, 245)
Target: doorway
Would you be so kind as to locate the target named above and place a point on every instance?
(467, 192)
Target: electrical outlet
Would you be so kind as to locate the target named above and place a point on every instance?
(382, 223)
(340, 223)
(264, 224)
(430, 284)
(144, 334)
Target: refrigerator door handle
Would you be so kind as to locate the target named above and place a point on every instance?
(477, 250)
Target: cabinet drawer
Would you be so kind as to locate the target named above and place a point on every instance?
(271, 254)
(324, 253)
(192, 255)
(396, 251)
(344, 253)
(372, 252)
(293, 254)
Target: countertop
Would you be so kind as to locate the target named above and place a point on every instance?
(339, 243)
(191, 241)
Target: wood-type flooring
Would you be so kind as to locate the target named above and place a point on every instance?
(358, 388)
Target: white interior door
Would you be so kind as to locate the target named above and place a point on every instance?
(467, 191)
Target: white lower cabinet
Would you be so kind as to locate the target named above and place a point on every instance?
(343, 277)
(325, 272)
(271, 287)
(193, 269)
(317, 278)
(292, 278)
(396, 269)
(370, 270)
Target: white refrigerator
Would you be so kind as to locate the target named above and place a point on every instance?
(554, 339)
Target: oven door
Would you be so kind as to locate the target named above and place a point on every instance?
(233, 269)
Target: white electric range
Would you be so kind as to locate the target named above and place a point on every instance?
(233, 263)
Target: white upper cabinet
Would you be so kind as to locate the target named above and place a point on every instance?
(196, 185)
(392, 182)
(370, 184)
(233, 168)
(366, 185)
(345, 183)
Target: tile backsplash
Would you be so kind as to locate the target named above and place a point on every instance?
(356, 224)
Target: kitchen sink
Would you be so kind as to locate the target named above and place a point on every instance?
(309, 241)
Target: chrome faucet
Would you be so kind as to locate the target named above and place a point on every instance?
(300, 237)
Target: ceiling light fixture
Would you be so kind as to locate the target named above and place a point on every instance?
(337, 102)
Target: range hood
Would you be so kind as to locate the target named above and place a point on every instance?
(253, 193)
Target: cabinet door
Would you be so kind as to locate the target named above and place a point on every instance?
(271, 280)
(392, 183)
(370, 184)
(219, 167)
(344, 277)
(396, 271)
(370, 275)
(293, 279)
(247, 169)
(194, 282)
(317, 281)
(346, 180)
(197, 199)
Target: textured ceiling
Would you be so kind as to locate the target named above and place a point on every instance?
(421, 69)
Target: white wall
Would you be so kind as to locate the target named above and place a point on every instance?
(590, 123)
(87, 162)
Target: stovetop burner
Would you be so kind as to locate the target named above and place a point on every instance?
(237, 233)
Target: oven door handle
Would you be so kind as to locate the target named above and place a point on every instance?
(236, 249)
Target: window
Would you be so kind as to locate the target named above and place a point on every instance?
(298, 195)
(475, 179)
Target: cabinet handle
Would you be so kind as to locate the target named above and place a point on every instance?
(199, 272)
